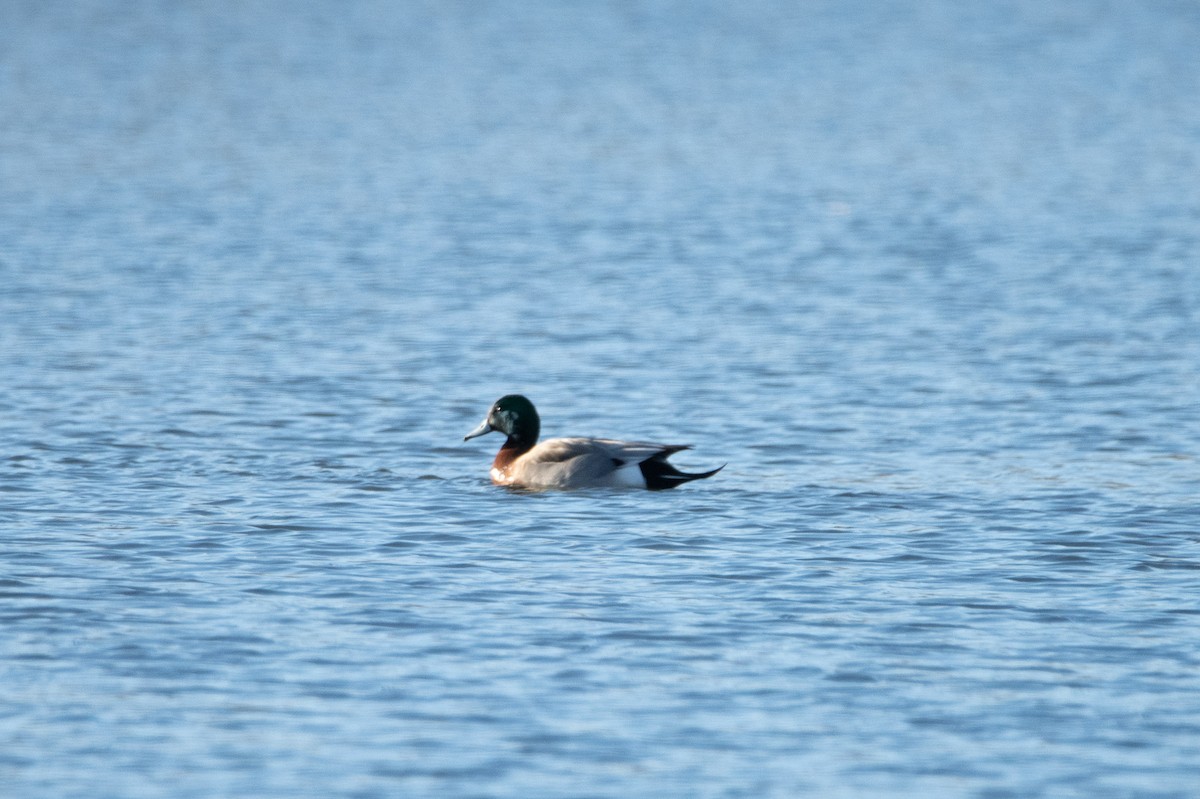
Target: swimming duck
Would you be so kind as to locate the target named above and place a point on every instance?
(574, 462)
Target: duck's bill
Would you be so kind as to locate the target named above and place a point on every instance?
(483, 429)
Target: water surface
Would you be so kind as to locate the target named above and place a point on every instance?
(925, 278)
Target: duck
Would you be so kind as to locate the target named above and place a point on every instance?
(567, 463)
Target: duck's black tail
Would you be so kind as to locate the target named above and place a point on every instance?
(661, 475)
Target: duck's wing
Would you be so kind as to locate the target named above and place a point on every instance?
(580, 462)
(645, 465)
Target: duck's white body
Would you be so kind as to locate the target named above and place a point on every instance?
(579, 462)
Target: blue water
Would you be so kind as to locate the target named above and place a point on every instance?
(927, 276)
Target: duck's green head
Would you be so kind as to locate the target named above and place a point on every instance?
(513, 415)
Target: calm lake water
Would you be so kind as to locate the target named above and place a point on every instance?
(927, 276)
